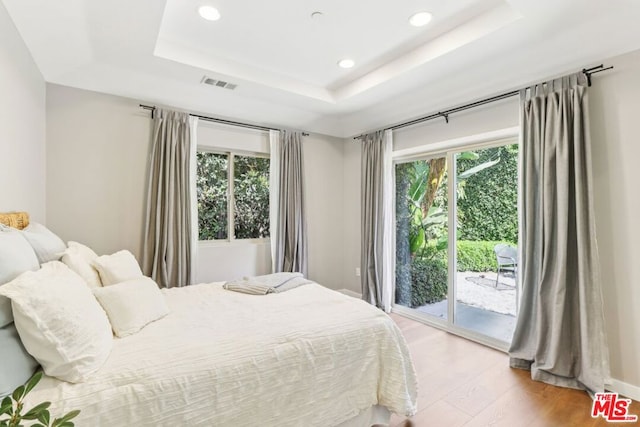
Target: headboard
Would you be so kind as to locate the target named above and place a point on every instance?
(19, 220)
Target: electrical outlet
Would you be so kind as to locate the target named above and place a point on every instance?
(357, 272)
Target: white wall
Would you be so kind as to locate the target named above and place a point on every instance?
(323, 158)
(22, 125)
(352, 223)
(97, 154)
(615, 109)
(499, 115)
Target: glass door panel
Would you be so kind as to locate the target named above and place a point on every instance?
(422, 236)
(486, 240)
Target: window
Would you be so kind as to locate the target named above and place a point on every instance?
(233, 196)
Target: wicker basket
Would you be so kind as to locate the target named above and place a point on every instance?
(19, 220)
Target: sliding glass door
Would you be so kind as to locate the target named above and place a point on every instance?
(456, 239)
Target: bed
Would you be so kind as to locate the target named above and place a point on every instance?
(306, 357)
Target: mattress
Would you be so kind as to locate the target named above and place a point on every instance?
(306, 357)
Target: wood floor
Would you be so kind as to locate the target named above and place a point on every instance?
(461, 383)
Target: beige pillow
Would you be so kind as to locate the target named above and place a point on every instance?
(132, 305)
(79, 258)
(60, 322)
(116, 268)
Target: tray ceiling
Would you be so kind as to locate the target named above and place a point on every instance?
(284, 61)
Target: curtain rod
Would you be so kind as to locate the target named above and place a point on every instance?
(445, 114)
(223, 121)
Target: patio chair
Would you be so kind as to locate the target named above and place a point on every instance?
(507, 259)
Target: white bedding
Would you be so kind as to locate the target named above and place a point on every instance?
(306, 357)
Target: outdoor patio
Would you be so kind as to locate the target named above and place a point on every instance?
(481, 305)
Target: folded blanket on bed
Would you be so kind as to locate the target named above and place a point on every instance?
(267, 284)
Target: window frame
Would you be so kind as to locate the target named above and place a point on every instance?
(231, 239)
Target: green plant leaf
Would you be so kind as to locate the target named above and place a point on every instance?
(36, 410)
(474, 170)
(32, 382)
(417, 241)
(6, 407)
(18, 393)
(442, 243)
(437, 219)
(435, 210)
(71, 415)
(44, 417)
(468, 155)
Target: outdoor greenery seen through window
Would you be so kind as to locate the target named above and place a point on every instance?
(251, 195)
(249, 191)
(486, 212)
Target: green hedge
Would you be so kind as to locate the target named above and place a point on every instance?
(477, 256)
(428, 281)
(472, 255)
(489, 209)
(429, 275)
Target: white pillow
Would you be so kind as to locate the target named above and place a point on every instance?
(132, 305)
(45, 243)
(79, 258)
(60, 322)
(116, 268)
(16, 257)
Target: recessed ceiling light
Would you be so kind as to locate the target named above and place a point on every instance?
(346, 63)
(209, 13)
(317, 15)
(420, 19)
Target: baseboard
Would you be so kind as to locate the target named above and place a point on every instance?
(625, 389)
(350, 293)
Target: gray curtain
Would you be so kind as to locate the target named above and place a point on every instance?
(372, 215)
(291, 232)
(559, 333)
(168, 247)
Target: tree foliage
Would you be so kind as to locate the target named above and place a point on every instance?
(488, 206)
(250, 196)
(421, 232)
(437, 169)
(486, 188)
(404, 174)
(212, 183)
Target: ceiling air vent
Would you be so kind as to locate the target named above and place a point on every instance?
(218, 83)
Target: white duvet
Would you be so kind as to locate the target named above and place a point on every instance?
(306, 357)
